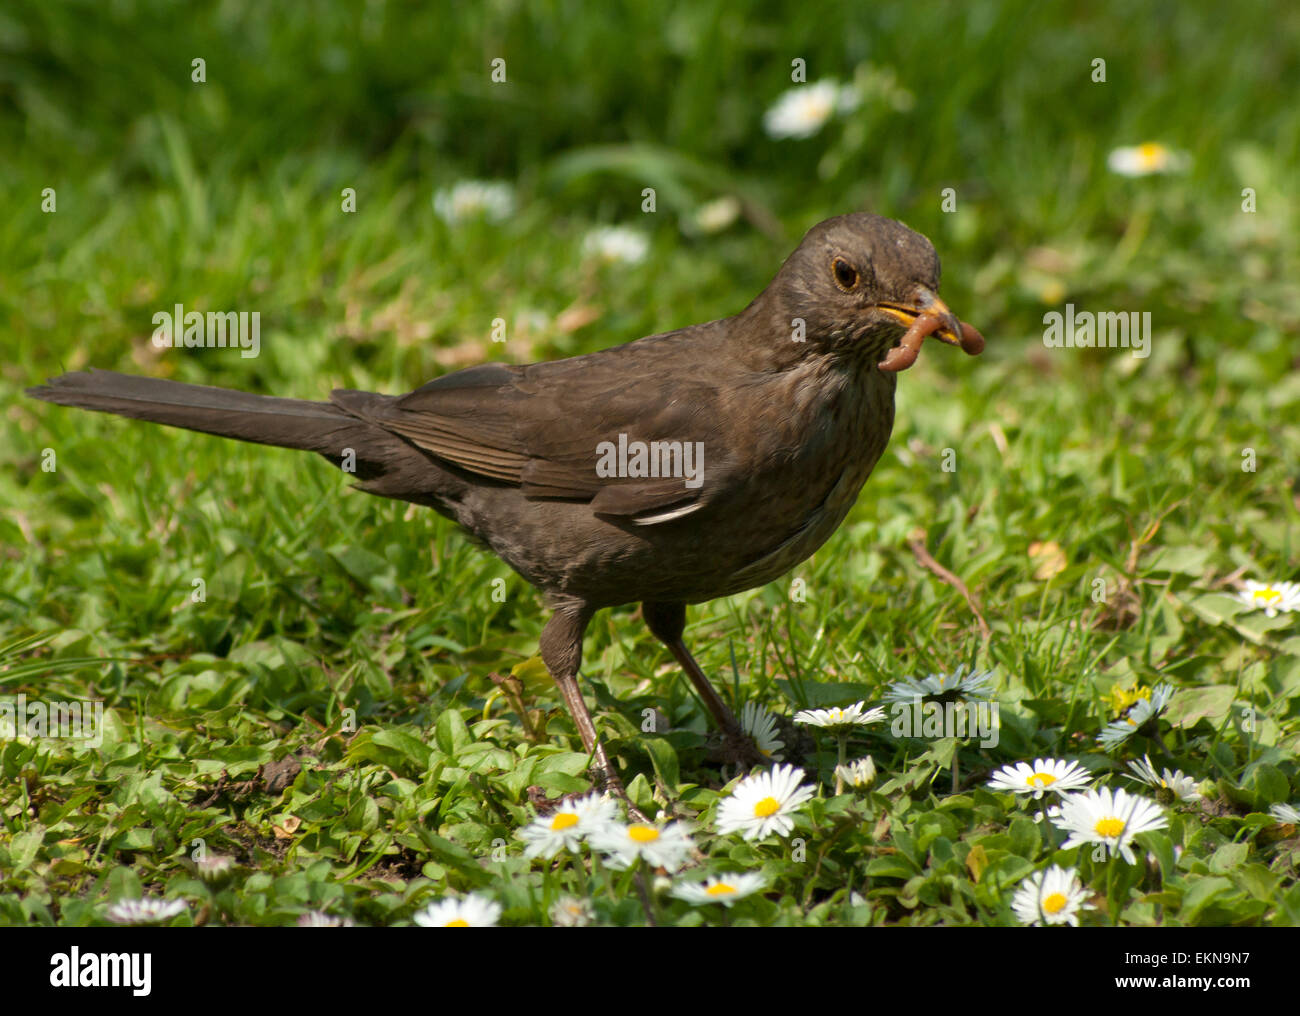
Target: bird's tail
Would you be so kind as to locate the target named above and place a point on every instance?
(286, 423)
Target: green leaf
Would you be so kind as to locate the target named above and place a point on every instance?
(1201, 894)
(1228, 856)
(823, 694)
(664, 760)
(450, 733)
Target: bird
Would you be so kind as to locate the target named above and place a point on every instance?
(667, 471)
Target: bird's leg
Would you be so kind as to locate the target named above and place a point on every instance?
(667, 621)
(561, 646)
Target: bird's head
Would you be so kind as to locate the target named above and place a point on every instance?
(857, 285)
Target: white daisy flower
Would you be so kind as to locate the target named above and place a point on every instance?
(1285, 813)
(1271, 597)
(469, 199)
(214, 867)
(859, 775)
(1182, 786)
(717, 215)
(570, 912)
(664, 847)
(1145, 159)
(725, 889)
(763, 803)
(320, 919)
(1054, 896)
(803, 110)
(1110, 817)
(760, 724)
(1144, 709)
(567, 825)
(474, 911)
(145, 911)
(840, 719)
(976, 684)
(616, 243)
(1044, 775)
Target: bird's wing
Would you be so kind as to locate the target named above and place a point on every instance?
(553, 430)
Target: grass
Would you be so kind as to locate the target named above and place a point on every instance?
(1099, 507)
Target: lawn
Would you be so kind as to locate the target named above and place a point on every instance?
(316, 685)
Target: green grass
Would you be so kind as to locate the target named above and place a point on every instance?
(359, 636)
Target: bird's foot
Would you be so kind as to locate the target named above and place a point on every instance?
(607, 782)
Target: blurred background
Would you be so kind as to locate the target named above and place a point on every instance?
(226, 192)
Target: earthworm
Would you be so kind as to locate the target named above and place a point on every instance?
(904, 354)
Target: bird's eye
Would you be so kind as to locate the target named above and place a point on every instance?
(846, 276)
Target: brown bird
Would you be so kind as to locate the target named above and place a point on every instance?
(671, 470)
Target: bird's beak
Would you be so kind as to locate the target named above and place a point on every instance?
(926, 315)
(926, 302)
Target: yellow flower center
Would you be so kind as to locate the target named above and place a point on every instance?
(1041, 780)
(1151, 154)
(459, 922)
(721, 889)
(1054, 904)
(836, 715)
(1267, 595)
(565, 820)
(1109, 827)
(642, 833)
(767, 806)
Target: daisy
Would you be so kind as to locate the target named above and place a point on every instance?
(717, 215)
(146, 911)
(1054, 896)
(1180, 785)
(976, 684)
(763, 803)
(1143, 160)
(659, 846)
(320, 919)
(214, 867)
(760, 724)
(1045, 774)
(616, 243)
(570, 912)
(470, 199)
(474, 911)
(567, 825)
(1146, 709)
(840, 719)
(1285, 813)
(1110, 817)
(1121, 699)
(1271, 597)
(725, 889)
(859, 775)
(802, 111)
